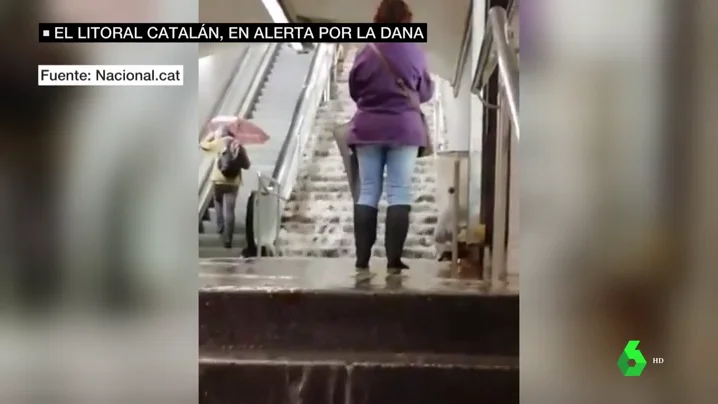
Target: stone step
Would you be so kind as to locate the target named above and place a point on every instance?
(316, 305)
(310, 186)
(211, 247)
(304, 210)
(295, 239)
(327, 149)
(422, 182)
(331, 251)
(214, 249)
(317, 378)
(344, 198)
(330, 239)
(327, 225)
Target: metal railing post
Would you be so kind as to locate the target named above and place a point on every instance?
(455, 207)
(503, 142)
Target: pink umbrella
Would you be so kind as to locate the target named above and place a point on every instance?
(243, 130)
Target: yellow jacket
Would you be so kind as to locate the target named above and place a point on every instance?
(214, 145)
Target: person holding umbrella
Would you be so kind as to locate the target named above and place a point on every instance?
(225, 141)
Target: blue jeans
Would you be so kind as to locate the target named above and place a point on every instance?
(399, 163)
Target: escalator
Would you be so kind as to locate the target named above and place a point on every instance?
(272, 107)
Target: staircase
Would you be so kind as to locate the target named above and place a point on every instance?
(317, 221)
(299, 329)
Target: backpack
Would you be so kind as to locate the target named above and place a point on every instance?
(232, 158)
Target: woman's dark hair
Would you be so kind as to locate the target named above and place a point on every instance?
(392, 12)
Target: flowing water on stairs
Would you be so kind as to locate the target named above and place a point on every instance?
(317, 221)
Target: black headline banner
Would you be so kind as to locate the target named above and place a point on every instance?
(164, 33)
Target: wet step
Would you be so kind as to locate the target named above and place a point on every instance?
(210, 228)
(329, 251)
(333, 175)
(329, 238)
(327, 208)
(209, 225)
(357, 320)
(216, 250)
(316, 305)
(331, 235)
(343, 224)
(212, 240)
(343, 187)
(249, 377)
(421, 202)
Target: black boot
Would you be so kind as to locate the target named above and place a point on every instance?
(364, 234)
(397, 226)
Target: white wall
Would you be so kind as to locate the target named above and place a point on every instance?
(458, 127)
(457, 113)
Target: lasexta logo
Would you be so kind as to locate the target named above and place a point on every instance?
(631, 353)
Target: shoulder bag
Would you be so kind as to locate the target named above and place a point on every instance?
(413, 97)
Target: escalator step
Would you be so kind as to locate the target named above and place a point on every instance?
(213, 240)
(210, 227)
(221, 252)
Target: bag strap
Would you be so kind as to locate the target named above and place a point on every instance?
(408, 92)
(244, 161)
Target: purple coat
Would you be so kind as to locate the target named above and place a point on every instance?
(384, 115)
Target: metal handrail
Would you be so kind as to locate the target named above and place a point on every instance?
(495, 51)
(513, 9)
(497, 54)
(280, 171)
(205, 188)
(486, 103)
(439, 120)
(465, 51)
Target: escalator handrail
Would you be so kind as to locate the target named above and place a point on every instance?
(495, 51)
(248, 100)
